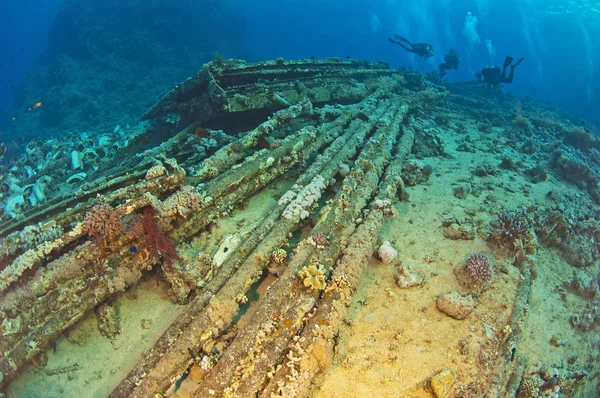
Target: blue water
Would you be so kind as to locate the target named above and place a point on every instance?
(561, 49)
(558, 38)
(23, 39)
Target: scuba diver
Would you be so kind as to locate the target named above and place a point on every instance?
(492, 76)
(423, 50)
(451, 61)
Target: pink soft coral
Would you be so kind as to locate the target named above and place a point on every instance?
(102, 223)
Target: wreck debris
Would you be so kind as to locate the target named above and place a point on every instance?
(346, 165)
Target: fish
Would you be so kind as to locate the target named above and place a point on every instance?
(133, 249)
(201, 132)
(37, 105)
(264, 143)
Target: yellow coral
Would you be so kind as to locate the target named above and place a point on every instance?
(278, 257)
(313, 277)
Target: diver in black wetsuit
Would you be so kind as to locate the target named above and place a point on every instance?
(492, 76)
(423, 50)
(451, 61)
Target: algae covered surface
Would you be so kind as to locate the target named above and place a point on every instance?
(353, 230)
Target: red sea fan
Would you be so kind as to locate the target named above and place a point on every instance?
(160, 245)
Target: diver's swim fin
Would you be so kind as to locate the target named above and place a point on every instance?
(507, 61)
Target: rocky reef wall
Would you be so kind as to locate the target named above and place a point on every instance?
(109, 61)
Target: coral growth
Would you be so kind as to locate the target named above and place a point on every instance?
(578, 171)
(156, 171)
(31, 237)
(277, 262)
(183, 202)
(160, 245)
(523, 124)
(512, 230)
(300, 206)
(574, 232)
(102, 223)
(587, 319)
(313, 276)
(479, 268)
(319, 240)
(415, 172)
(541, 380)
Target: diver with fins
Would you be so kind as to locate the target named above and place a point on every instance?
(423, 50)
(492, 76)
(451, 61)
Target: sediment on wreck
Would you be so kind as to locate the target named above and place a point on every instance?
(511, 363)
(259, 346)
(312, 349)
(47, 288)
(249, 266)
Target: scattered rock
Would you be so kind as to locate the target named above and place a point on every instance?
(81, 332)
(108, 320)
(508, 163)
(536, 174)
(442, 382)
(464, 147)
(405, 278)
(455, 305)
(386, 252)
(587, 319)
(197, 373)
(558, 342)
(146, 323)
(582, 285)
(415, 172)
(484, 170)
(456, 231)
(462, 191)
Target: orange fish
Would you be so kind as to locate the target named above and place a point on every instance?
(201, 132)
(37, 104)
